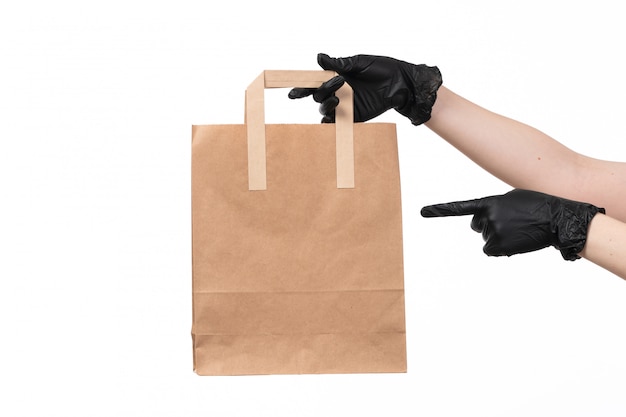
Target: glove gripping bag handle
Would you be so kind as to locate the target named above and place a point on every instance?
(255, 122)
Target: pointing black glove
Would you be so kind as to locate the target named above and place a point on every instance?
(523, 221)
(379, 84)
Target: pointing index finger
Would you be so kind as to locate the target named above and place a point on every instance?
(456, 208)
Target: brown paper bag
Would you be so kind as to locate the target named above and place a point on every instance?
(297, 243)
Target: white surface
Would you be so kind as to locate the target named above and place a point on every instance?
(96, 104)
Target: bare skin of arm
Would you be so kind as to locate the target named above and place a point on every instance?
(525, 157)
(606, 244)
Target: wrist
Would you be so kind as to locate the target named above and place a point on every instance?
(606, 244)
(425, 82)
(571, 225)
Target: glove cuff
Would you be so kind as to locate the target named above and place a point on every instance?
(571, 227)
(426, 81)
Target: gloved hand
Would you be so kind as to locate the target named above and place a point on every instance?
(523, 221)
(379, 84)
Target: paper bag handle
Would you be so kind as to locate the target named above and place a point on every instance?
(255, 122)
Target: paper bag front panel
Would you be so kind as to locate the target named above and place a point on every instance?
(302, 277)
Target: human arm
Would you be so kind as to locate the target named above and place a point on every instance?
(524, 157)
(519, 154)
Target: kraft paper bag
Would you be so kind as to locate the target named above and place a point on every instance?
(297, 243)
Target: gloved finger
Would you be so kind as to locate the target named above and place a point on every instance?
(498, 247)
(456, 208)
(329, 118)
(494, 249)
(340, 65)
(479, 225)
(301, 92)
(327, 107)
(328, 89)
(320, 93)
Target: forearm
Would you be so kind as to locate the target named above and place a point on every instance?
(525, 157)
(606, 244)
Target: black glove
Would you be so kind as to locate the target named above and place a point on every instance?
(379, 84)
(523, 221)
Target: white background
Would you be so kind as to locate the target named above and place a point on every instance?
(96, 106)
